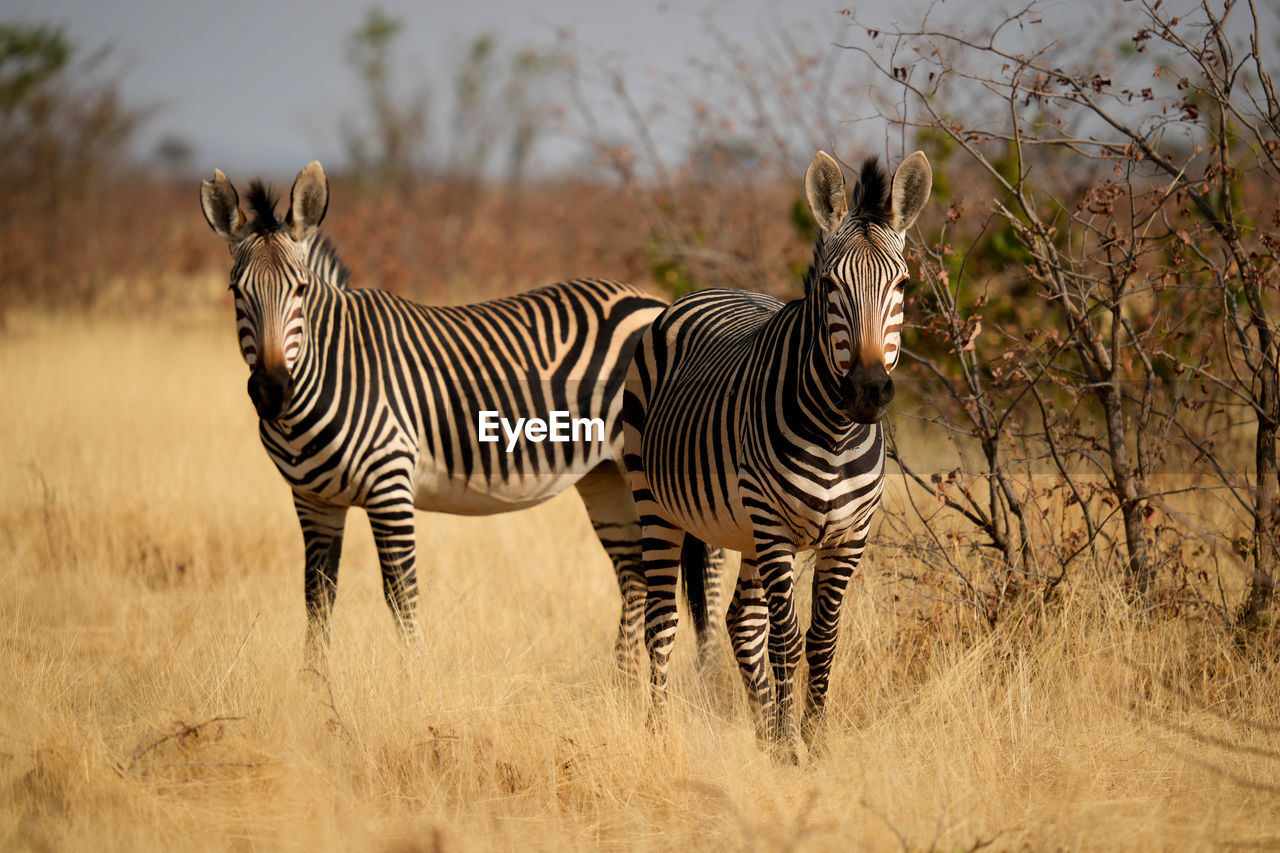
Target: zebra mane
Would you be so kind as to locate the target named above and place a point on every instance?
(870, 200)
(322, 257)
(325, 258)
(262, 202)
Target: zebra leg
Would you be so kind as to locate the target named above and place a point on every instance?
(661, 542)
(830, 581)
(715, 592)
(775, 558)
(702, 570)
(613, 515)
(322, 526)
(390, 509)
(748, 621)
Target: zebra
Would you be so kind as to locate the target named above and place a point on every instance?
(368, 399)
(755, 425)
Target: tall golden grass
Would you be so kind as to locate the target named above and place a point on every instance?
(152, 694)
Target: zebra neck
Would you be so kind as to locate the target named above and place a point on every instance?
(819, 387)
(316, 367)
(325, 264)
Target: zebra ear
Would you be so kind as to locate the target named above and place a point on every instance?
(221, 205)
(824, 186)
(911, 185)
(308, 201)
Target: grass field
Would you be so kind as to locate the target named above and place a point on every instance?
(152, 696)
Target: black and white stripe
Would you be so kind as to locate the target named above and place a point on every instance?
(367, 399)
(755, 425)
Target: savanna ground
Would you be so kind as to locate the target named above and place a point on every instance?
(154, 695)
(1080, 685)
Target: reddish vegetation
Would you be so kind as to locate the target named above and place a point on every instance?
(442, 242)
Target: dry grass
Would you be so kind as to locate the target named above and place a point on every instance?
(151, 698)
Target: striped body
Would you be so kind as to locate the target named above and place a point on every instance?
(754, 438)
(755, 425)
(393, 389)
(368, 399)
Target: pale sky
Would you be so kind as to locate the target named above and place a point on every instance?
(259, 85)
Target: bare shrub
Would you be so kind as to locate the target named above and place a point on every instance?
(712, 201)
(1105, 331)
(64, 128)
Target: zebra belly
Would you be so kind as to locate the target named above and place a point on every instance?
(436, 490)
(724, 532)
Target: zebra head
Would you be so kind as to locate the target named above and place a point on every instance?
(860, 272)
(268, 275)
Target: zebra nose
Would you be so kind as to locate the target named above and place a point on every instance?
(270, 391)
(868, 393)
(880, 388)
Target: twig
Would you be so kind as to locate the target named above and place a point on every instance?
(332, 704)
(185, 729)
(979, 843)
(902, 839)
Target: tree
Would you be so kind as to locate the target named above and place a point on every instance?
(1139, 188)
(59, 119)
(64, 129)
(387, 143)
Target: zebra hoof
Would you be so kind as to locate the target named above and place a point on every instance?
(785, 754)
(656, 720)
(814, 734)
(315, 656)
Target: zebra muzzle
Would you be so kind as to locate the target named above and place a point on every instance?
(868, 390)
(270, 391)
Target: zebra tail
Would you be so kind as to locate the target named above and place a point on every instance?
(693, 572)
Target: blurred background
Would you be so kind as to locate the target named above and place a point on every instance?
(1092, 334)
(263, 88)
(478, 148)
(1063, 634)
